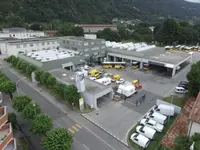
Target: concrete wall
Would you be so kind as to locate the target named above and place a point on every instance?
(89, 99)
(194, 127)
(22, 35)
(177, 109)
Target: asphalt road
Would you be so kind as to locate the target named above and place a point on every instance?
(84, 139)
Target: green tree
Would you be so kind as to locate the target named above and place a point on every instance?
(10, 58)
(12, 118)
(31, 111)
(20, 102)
(41, 124)
(58, 139)
(71, 94)
(77, 31)
(59, 89)
(51, 81)
(65, 29)
(193, 78)
(35, 26)
(37, 75)
(182, 143)
(8, 87)
(30, 69)
(109, 35)
(14, 62)
(44, 76)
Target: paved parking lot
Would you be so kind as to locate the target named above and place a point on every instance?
(117, 118)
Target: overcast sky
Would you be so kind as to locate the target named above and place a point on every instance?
(195, 1)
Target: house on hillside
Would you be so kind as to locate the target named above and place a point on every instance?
(194, 118)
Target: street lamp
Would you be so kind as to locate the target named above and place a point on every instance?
(34, 105)
(18, 82)
(172, 95)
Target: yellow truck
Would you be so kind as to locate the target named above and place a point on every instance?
(117, 77)
(94, 73)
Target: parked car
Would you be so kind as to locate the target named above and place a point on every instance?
(146, 131)
(157, 117)
(120, 81)
(182, 87)
(140, 140)
(152, 124)
(164, 109)
(86, 67)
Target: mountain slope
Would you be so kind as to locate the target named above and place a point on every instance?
(98, 11)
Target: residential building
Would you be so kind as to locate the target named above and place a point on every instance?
(93, 28)
(194, 118)
(20, 33)
(10, 46)
(7, 142)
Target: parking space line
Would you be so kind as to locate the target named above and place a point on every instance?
(75, 128)
(79, 126)
(70, 130)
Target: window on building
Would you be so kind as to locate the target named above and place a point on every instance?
(48, 43)
(42, 43)
(31, 45)
(18, 46)
(24, 45)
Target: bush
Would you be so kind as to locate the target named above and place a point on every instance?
(20, 102)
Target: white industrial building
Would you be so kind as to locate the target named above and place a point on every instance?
(13, 47)
(20, 33)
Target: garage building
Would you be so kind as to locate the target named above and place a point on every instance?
(156, 57)
(94, 93)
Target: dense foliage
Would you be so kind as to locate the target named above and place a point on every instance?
(31, 111)
(20, 102)
(41, 124)
(17, 12)
(185, 142)
(58, 139)
(193, 77)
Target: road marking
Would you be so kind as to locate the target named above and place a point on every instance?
(170, 91)
(86, 147)
(75, 128)
(79, 126)
(70, 130)
(97, 136)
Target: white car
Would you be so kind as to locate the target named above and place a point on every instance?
(120, 81)
(140, 140)
(92, 78)
(146, 131)
(152, 124)
(86, 67)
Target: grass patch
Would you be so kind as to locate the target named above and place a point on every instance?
(179, 101)
(155, 144)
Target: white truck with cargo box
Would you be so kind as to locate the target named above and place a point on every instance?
(146, 131)
(126, 89)
(152, 124)
(164, 109)
(157, 117)
(140, 140)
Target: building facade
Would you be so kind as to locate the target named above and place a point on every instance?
(93, 28)
(7, 142)
(13, 47)
(20, 33)
(194, 118)
(91, 50)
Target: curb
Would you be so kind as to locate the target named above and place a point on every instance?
(126, 144)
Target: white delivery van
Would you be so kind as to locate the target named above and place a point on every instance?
(164, 109)
(157, 117)
(126, 89)
(140, 140)
(152, 124)
(146, 131)
(104, 81)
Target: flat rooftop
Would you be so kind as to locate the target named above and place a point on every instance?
(68, 77)
(155, 54)
(36, 39)
(81, 39)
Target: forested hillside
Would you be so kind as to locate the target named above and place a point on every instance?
(95, 11)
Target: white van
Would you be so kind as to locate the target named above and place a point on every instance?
(126, 89)
(157, 117)
(146, 131)
(104, 81)
(140, 140)
(152, 124)
(164, 109)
